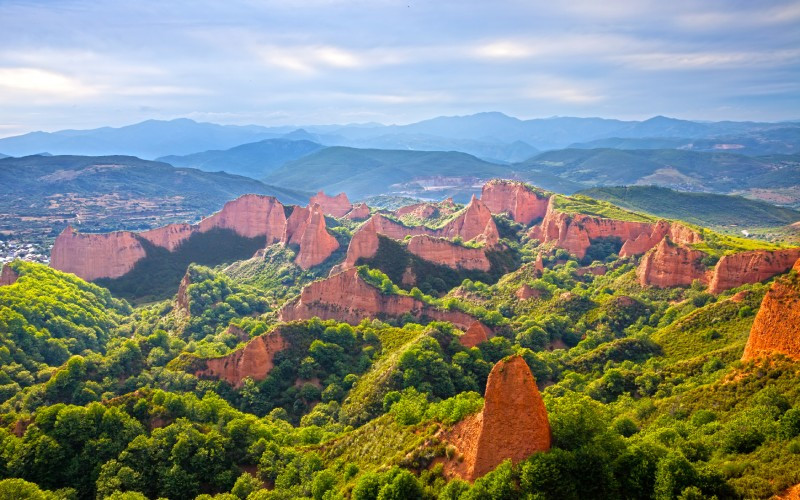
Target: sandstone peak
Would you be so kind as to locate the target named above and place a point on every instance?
(359, 211)
(515, 198)
(316, 243)
(336, 206)
(776, 328)
(513, 424)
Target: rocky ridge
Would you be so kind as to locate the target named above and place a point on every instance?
(254, 360)
(336, 206)
(521, 202)
(346, 297)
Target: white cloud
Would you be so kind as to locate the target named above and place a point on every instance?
(665, 61)
(42, 83)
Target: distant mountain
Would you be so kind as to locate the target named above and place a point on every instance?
(711, 210)
(490, 135)
(3, 156)
(39, 195)
(148, 139)
(677, 169)
(254, 160)
(421, 174)
(784, 140)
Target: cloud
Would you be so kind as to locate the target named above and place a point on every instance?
(38, 82)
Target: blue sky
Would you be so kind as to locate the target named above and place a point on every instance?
(82, 64)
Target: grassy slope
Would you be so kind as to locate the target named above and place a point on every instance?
(711, 210)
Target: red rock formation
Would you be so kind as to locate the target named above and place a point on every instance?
(316, 244)
(670, 264)
(419, 210)
(513, 424)
(359, 211)
(337, 206)
(645, 241)
(348, 298)
(776, 328)
(474, 335)
(295, 225)
(751, 267)
(447, 253)
(574, 232)
(538, 265)
(111, 255)
(8, 276)
(364, 243)
(254, 360)
(515, 198)
(93, 256)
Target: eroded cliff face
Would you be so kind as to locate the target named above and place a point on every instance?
(751, 267)
(8, 276)
(426, 209)
(776, 328)
(515, 198)
(447, 253)
(348, 298)
(254, 360)
(360, 211)
(316, 244)
(93, 256)
(364, 243)
(575, 232)
(336, 206)
(513, 424)
(671, 264)
(182, 300)
(111, 255)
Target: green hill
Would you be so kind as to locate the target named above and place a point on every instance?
(252, 160)
(705, 209)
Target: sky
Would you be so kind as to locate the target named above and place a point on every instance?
(85, 64)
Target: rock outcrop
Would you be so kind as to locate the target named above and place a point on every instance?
(316, 244)
(670, 264)
(346, 297)
(513, 424)
(364, 243)
(751, 267)
(426, 209)
(474, 335)
(521, 202)
(359, 211)
(93, 256)
(336, 206)
(8, 276)
(254, 360)
(447, 253)
(525, 292)
(111, 255)
(575, 232)
(776, 328)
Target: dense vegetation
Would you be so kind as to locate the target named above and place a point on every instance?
(645, 393)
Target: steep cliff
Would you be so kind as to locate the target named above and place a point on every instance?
(447, 253)
(575, 232)
(348, 298)
(93, 256)
(751, 267)
(111, 255)
(8, 276)
(182, 300)
(474, 223)
(523, 203)
(316, 244)
(337, 206)
(670, 264)
(254, 360)
(776, 328)
(513, 424)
